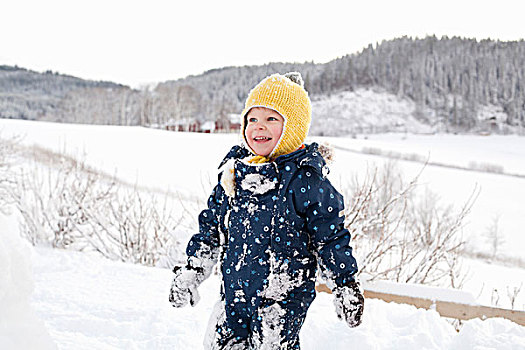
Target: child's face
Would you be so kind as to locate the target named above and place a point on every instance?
(263, 130)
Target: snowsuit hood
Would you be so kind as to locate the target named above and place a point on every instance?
(320, 157)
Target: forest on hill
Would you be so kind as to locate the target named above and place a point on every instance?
(450, 81)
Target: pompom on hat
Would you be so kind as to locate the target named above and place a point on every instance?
(286, 95)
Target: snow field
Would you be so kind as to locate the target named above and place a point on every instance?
(88, 302)
(187, 163)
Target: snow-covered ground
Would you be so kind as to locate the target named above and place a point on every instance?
(20, 327)
(87, 302)
(453, 173)
(504, 152)
(185, 161)
(92, 303)
(363, 110)
(375, 110)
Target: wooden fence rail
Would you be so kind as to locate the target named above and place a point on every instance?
(444, 308)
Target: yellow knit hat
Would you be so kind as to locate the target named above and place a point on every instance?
(286, 95)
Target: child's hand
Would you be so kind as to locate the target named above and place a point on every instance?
(184, 286)
(349, 303)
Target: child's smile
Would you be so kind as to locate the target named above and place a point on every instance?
(264, 127)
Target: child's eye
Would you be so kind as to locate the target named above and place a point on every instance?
(272, 119)
(252, 120)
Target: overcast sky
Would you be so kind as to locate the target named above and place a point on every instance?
(137, 42)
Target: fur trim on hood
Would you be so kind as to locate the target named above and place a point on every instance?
(227, 167)
(327, 151)
(228, 177)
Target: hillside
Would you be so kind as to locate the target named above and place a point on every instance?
(455, 84)
(26, 94)
(448, 84)
(364, 111)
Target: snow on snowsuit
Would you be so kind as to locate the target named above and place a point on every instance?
(282, 221)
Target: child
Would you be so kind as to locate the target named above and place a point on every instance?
(272, 219)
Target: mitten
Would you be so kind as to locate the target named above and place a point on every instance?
(184, 286)
(349, 303)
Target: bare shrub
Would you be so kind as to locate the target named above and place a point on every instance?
(413, 157)
(486, 167)
(435, 231)
(401, 236)
(131, 227)
(372, 150)
(513, 293)
(494, 236)
(51, 203)
(8, 159)
(494, 297)
(72, 206)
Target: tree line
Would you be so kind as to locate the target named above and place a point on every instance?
(449, 80)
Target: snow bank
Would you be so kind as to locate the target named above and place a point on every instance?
(19, 326)
(499, 334)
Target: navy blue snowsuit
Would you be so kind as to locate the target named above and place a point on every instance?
(284, 220)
